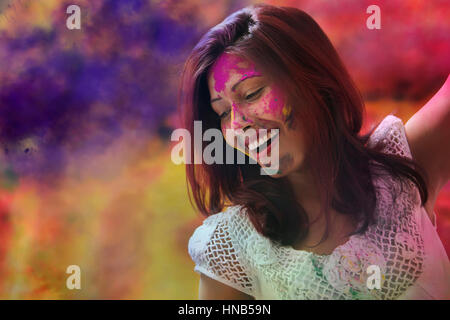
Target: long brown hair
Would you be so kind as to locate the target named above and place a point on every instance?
(287, 44)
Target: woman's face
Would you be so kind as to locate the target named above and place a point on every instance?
(244, 99)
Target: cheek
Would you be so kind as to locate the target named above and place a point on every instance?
(230, 140)
(274, 104)
(224, 126)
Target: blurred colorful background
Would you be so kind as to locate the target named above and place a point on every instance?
(86, 115)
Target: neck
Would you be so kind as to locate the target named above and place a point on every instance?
(306, 191)
(307, 194)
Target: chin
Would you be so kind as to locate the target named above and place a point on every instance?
(288, 163)
(274, 173)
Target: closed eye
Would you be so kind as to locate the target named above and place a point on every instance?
(253, 94)
(224, 114)
(249, 97)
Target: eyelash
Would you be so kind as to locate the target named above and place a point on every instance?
(223, 115)
(254, 94)
(247, 98)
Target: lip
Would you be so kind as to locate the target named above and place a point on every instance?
(247, 142)
(263, 153)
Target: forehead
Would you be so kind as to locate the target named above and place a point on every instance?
(229, 67)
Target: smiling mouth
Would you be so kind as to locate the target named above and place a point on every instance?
(261, 144)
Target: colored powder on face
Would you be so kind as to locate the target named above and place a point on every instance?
(247, 119)
(274, 103)
(252, 73)
(225, 65)
(221, 71)
(234, 115)
(287, 111)
(288, 117)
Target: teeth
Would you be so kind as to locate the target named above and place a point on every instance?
(255, 144)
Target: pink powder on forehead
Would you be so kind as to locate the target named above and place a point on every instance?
(225, 64)
(249, 74)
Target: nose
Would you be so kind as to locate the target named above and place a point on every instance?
(239, 119)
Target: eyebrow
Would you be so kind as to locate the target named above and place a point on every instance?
(233, 88)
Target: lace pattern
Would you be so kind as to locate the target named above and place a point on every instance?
(216, 248)
(229, 248)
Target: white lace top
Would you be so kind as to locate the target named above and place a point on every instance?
(403, 243)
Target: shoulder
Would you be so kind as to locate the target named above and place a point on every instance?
(390, 137)
(393, 137)
(231, 216)
(218, 248)
(230, 226)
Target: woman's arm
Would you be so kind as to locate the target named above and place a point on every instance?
(428, 134)
(210, 289)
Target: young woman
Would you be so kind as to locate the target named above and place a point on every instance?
(346, 216)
